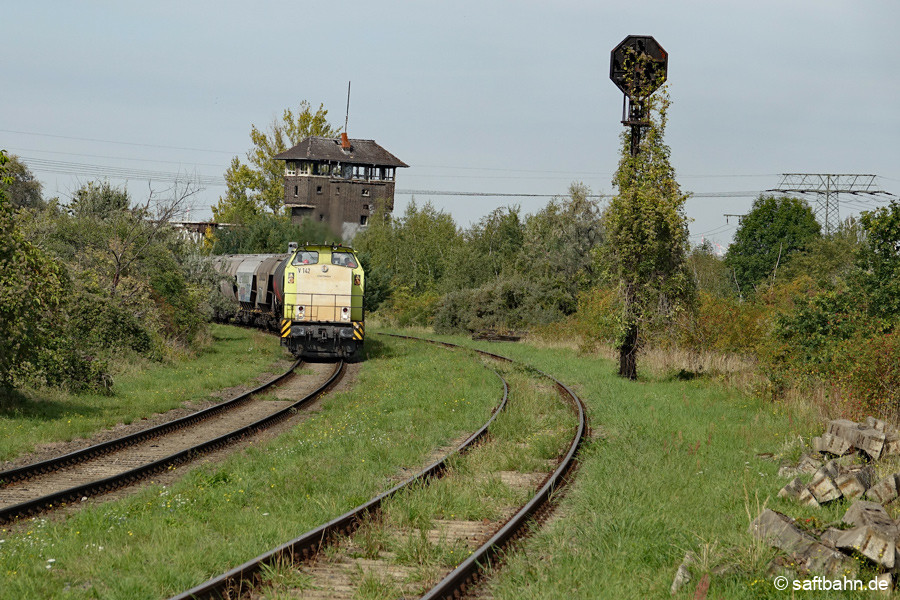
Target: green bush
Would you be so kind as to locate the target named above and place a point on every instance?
(506, 304)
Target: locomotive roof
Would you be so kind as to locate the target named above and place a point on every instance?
(364, 152)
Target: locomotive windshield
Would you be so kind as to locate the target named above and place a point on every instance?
(344, 259)
(306, 257)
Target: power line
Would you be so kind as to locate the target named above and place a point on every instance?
(144, 160)
(83, 139)
(89, 170)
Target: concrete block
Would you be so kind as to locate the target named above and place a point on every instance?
(871, 543)
(832, 444)
(876, 423)
(891, 444)
(870, 514)
(831, 469)
(843, 428)
(809, 464)
(871, 441)
(830, 537)
(683, 574)
(806, 498)
(819, 558)
(779, 531)
(824, 488)
(792, 489)
(884, 491)
(854, 483)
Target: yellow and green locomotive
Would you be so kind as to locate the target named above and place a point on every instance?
(323, 302)
(313, 296)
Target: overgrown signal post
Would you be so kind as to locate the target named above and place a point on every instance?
(638, 66)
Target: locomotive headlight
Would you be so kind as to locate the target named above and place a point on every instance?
(345, 314)
(301, 312)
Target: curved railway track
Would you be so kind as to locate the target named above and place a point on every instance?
(243, 579)
(118, 463)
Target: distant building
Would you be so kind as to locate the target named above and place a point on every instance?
(196, 231)
(338, 181)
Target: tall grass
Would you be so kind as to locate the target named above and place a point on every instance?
(678, 466)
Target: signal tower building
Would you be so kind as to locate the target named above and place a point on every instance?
(338, 181)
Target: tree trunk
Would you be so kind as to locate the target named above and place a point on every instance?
(628, 353)
(628, 349)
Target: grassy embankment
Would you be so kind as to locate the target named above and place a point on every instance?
(409, 399)
(677, 469)
(235, 356)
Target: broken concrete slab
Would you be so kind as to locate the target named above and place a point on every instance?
(809, 464)
(843, 428)
(871, 441)
(832, 444)
(824, 487)
(871, 514)
(874, 535)
(884, 491)
(871, 542)
(806, 498)
(876, 423)
(830, 469)
(854, 483)
(792, 489)
(830, 536)
(779, 531)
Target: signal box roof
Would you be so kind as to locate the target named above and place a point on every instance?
(362, 152)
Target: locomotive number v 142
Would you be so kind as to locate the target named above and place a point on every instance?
(312, 296)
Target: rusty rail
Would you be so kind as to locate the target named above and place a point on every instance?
(238, 580)
(129, 477)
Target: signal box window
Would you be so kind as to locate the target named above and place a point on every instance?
(306, 257)
(343, 259)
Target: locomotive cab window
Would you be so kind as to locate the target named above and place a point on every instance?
(306, 257)
(343, 259)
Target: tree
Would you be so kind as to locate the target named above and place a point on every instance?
(258, 185)
(489, 248)
(416, 248)
(879, 260)
(775, 229)
(646, 236)
(558, 245)
(709, 270)
(30, 290)
(116, 233)
(269, 233)
(829, 260)
(24, 191)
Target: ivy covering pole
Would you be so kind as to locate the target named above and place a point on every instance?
(646, 236)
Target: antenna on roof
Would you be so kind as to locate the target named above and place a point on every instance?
(347, 117)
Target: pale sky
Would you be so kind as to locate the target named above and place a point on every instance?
(499, 97)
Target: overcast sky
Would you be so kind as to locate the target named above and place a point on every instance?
(500, 97)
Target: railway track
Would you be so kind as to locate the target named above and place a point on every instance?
(118, 463)
(315, 553)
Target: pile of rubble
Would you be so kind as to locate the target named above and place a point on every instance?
(866, 528)
(852, 474)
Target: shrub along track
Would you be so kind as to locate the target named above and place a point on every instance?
(121, 462)
(358, 553)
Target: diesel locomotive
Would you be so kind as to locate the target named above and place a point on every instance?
(312, 296)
